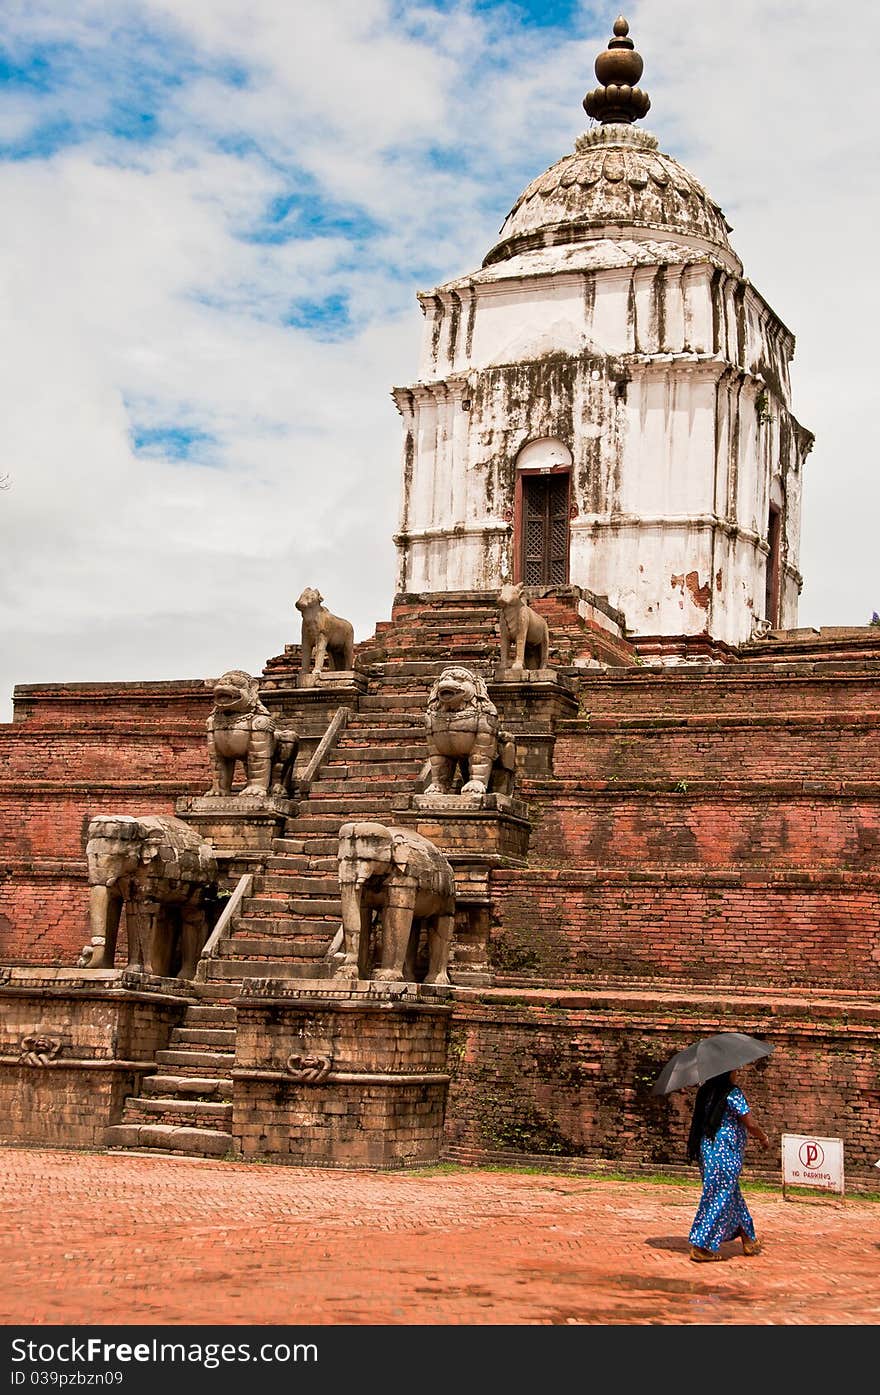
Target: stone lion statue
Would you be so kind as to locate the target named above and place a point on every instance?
(240, 728)
(464, 735)
(323, 635)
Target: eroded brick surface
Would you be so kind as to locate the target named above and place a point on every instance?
(279, 1245)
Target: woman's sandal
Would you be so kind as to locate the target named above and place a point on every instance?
(751, 1247)
(700, 1256)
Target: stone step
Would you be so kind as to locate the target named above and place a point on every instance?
(287, 864)
(297, 865)
(385, 702)
(361, 732)
(208, 1114)
(202, 1061)
(327, 822)
(359, 806)
(260, 909)
(277, 946)
(237, 969)
(203, 1036)
(302, 847)
(300, 884)
(202, 1087)
(377, 752)
(286, 927)
(209, 1014)
(169, 1138)
(224, 993)
(291, 846)
(352, 790)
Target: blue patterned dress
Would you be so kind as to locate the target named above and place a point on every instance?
(722, 1211)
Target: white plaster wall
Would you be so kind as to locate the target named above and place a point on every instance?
(675, 411)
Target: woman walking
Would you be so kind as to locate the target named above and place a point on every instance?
(719, 1128)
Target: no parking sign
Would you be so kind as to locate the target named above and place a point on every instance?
(808, 1161)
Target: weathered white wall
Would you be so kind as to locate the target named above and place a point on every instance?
(665, 375)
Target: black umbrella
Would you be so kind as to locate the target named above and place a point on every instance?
(711, 1056)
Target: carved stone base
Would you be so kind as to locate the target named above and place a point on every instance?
(341, 679)
(331, 1074)
(533, 699)
(485, 825)
(74, 1045)
(240, 827)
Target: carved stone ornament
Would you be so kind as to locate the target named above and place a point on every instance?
(309, 1070)
(5, 974)
(38, 1049)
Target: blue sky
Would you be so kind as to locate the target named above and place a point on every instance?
(218, 214)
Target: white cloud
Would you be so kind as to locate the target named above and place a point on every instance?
(140, 289)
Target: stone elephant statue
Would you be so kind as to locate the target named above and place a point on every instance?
(165, 875)
(399, 878)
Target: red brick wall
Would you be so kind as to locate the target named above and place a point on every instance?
(731, 929)
(39, 822)
(40, 754)
(187, 701)
(731, 689)
(812, 746)
(73, 751)
(774, 826)
(571, 1078)
(44, 912)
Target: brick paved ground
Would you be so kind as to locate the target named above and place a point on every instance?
(144, 1239)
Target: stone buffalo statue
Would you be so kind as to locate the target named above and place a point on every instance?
(324, 636)
(241, 728)
(165, 875)
(396, 877)
(464, 734)
(525, 638)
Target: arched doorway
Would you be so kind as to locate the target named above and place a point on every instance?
(543, 507)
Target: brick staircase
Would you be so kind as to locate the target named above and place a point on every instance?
(187, 1106)
(288, 922)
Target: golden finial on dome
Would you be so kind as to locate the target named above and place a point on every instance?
(618, 68)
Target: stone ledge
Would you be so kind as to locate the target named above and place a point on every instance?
(250, 806)
(342, 1077)
(82, 1063)
(468, 805)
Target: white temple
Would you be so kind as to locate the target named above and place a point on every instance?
(605, 403)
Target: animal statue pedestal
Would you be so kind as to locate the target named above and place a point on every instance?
(492, 826)
(240, 828)
(74, 1045)
(334, 1074)
(532, 702)
(343, 682)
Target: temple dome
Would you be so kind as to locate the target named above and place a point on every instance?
(616, 179)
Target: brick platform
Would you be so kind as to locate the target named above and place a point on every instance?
(115, 1239)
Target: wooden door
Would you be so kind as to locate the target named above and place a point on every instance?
(545, 533)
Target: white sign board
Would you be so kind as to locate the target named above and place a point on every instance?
(808, 1161)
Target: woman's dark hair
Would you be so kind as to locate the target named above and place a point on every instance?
(708, 1112)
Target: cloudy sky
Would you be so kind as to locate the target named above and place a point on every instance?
(216, 215)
